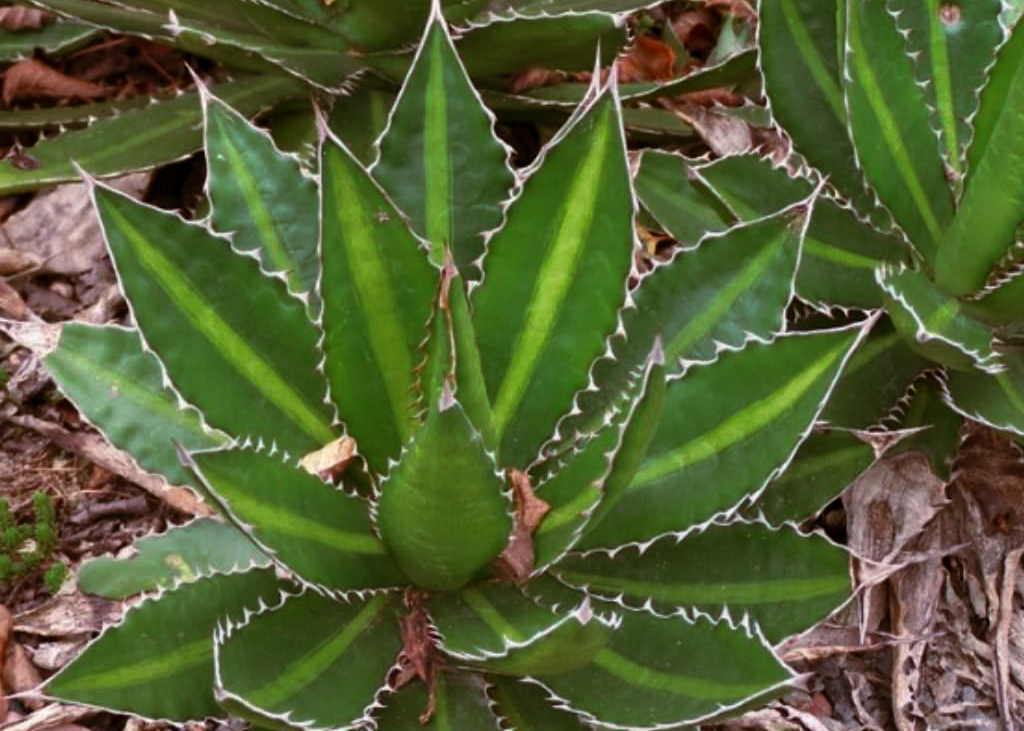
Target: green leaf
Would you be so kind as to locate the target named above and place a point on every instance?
(888, 111)
(680, 203)
(489, 620)
(138, 139)
(925, 408)
(53, 39)
(876, 377)
(441, 530)
(708, 454)
(822, 467)
(310, 659)
(120, 388)
(158, 662)
(573, 244)
(311, 528)
(525, 706)
(800, 59)
(784, 581)
(197, 301)
(460, 704)
(260, 196)
(990, 210)
(377, 287)
(439, 158)
(701, 300)
(183, 553)
(952, 46)
(359, 118)
(938, 325)
(840, 251)
(633, 682)
(993, 399)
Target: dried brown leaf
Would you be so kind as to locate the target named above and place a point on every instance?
(647, 59)
(19, 18)
(516, 562)
(33, 79)
(15, 261)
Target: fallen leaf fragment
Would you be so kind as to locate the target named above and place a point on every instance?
(32, 79)
(418, 658)
(24, 18)
(516, 562)
(330, 461)
(647, 59)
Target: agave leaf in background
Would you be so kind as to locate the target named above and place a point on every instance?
(440, 159)
(458, 701)
(53, 39)
(952, 47)
(887, 112)
(254, 339)
(990, 211)
(142, 667)
(525, 706)
(681, 204)
(936, 323)
(260, 196)
(768, 397)
(140, 138)
(993, 399)
(566, 241)
(932, 427)
(313, 646)
(776, 576)
(109, 375)
(320, 534)
(187, 552)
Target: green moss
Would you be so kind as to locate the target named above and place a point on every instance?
(15, 561)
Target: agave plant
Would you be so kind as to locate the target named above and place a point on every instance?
(915, 123)
(538, 527)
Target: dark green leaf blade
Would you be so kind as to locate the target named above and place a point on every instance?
(308, 659)
(996, 400)
(203, 547)
(572, 245)
(439, 158)
(377, 286)
(706, 456)
(888, 111)
(525, 706)
(196, 300)
(260, 195)
(783, 580)
(444, 510)
(459, 703)
(311, 528)
(133, 408)
(158, 662)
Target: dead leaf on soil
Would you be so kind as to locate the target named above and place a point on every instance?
(33, 79)
(647, 59)
(70, 614)
(11, 303)
(21, 676)
(24, 18)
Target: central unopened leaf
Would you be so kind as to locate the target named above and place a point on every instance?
(444, 511)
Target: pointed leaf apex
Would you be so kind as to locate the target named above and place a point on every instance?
(657, 355)
(447, 399)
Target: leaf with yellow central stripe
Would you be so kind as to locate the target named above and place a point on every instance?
(439, 158)
(313, 529)
(227, 333)
(376, 287)
(632, 682)
(458, 699)
(888, 111)
(309, 660)
(554, 278)
(158, 662)
(705, 457)
(783, 580)
(260, 195)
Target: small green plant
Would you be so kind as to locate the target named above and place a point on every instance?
(539, 529)
(27, 547)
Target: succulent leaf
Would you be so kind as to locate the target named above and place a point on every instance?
(776, 576)
(887, 112)
(990, 210)
(53, 39)
(439, 158)
(633, 683)
(183, 553)
(107, 373)
(936, 323)
(933, 427)
(456, 701)
(703, 458)
(260, 196)
(952, 46)
(195, 300)
(308, 659)
(159, 662)
(444, 511)
(140, 138)
(525, 706)
(566, 242)
(321, 534)
(993, 399)
(376, 288)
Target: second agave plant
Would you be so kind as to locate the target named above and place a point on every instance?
(538, 530)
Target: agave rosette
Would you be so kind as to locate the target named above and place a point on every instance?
(539, 529)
